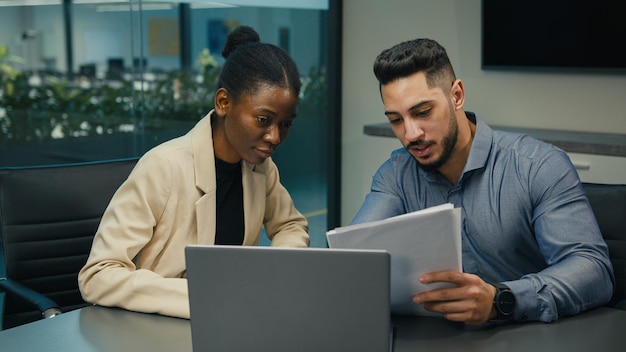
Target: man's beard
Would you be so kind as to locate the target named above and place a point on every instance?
(448, 142)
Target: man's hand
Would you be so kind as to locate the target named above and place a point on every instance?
(470, 301)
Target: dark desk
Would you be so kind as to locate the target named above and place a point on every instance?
(108, 329)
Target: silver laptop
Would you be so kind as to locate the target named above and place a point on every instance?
(288, 299)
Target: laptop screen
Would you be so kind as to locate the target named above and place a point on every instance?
(288, 299)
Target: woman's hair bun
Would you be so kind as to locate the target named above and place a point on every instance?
(239, 36)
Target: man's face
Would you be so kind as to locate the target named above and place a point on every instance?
(422, 118)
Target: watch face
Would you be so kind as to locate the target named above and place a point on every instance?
(505, 302)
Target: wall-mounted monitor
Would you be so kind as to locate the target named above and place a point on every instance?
(553, 34)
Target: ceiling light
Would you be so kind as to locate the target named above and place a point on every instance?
(127, 7)
(209, 5)
(8, 3)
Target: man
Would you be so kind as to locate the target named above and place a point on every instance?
(531, 246)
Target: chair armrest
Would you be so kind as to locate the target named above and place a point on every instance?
(45, 305)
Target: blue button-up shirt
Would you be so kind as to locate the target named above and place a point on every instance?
(525, 220)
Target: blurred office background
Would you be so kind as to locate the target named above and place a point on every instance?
(87, 80)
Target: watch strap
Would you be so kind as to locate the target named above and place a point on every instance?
(504, 302)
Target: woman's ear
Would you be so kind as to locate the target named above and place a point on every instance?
(222, 102)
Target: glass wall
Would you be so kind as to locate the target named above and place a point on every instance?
(87, 80)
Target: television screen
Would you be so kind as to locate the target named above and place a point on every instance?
(553, 34)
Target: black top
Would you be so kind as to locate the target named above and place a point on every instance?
(229, 229)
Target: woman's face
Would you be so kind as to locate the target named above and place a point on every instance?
(255, 125)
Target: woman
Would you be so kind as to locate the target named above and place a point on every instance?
(215, 185)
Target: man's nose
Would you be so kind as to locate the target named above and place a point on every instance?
(413, 131)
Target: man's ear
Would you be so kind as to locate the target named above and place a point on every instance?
(458, 94)
(222, 102)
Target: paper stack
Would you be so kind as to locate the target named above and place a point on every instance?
(419, 242)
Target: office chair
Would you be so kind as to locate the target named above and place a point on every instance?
(87, 70)
(115, 68)
(48, 217)
(609, 205)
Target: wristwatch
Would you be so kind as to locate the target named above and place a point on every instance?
(504, 302)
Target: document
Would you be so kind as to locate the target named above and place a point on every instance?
(419, 242)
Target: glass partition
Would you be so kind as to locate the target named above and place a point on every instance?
(87, 80)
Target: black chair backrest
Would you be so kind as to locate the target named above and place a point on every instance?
(609, 205)
(48, 217)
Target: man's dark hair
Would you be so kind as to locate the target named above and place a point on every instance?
(407, 58)
(251, 64)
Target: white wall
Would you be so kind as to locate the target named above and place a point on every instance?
(14, 22)
(577, 102)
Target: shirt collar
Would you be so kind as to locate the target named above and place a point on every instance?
(481, 145)
(479, 151)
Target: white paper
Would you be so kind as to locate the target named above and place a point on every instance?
(419, 242)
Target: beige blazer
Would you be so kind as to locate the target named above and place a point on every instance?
(137, 257)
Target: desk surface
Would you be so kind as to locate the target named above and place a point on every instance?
(110, 329)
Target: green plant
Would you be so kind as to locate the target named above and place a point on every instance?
(8, 72)
(314, 93)
(206, 61)
(59, 108)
